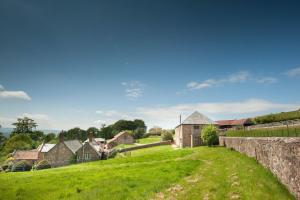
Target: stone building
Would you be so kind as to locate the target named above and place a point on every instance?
(121, 138)
(60, 154)
(91, 149)
(31, 156)
(187, 133)
(234, 124)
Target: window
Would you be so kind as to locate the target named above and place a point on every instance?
(87, 156)
(196, 127)
(78, 158)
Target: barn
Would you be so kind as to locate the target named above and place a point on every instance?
(187, 133)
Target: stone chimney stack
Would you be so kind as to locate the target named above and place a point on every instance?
(90, 137)
(61, 136)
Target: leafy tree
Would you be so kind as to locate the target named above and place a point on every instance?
(106, 132)
(37, 135)
(122, 125)
(139, 123)
(20, 141)
(156, 130)
(49, 137)
(24, 125)
(167, 135)
(2, 141)
(209, 135)
(138, 133)
(75, 133)
(93, 130)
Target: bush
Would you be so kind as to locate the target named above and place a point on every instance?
(167, 135)
(20, 166)
(43, 164)
(209, 135)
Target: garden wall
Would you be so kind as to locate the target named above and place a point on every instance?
(280, 154)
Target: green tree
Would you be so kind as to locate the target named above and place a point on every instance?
(19, 141)
(209, 135)
(49, 137)
(3, 139)
(24, 125)
(93, 130)
(37, 135)
(76, 133)
(123, 125)
(139, 123)
(106, 132)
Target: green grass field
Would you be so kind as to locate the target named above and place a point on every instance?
(147, 140)
(150, 139)
(153, 173)
(293, 131)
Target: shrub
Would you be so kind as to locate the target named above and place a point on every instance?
(209, 135)
(43, 164)
(22, 165)
(167, 135)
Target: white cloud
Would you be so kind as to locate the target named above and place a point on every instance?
(168, 116)
(35, 116)
(42, 120)
(110, 116)
(134, 89)
(5, 94)
(266, 80)
(238, 77)
(293, 72)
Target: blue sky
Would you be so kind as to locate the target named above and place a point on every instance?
(78, 63)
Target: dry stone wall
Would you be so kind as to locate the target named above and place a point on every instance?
(280, 154)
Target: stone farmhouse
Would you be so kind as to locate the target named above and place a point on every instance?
(121, 138)
(64, 152)
(187, 133)
(92, 149)
(61, 153)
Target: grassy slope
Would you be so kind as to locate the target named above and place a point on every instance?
(150, 139)
(148, 173)
(147, 140)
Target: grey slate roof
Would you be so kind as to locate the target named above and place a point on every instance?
(47, 147)
(73, 145)
(96, 140)
(198, 118)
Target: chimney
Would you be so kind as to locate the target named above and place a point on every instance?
(90, 137)
(179, 119)
(61, 136)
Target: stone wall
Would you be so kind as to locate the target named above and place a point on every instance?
(280, 154)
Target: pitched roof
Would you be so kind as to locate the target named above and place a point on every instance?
(26, 154)
(73, 145)
(197, 118)
(234, 122)
(96, 140)
(116, 136)
(47, 147)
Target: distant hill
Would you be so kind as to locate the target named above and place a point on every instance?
(7, 131)
(277, 117)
